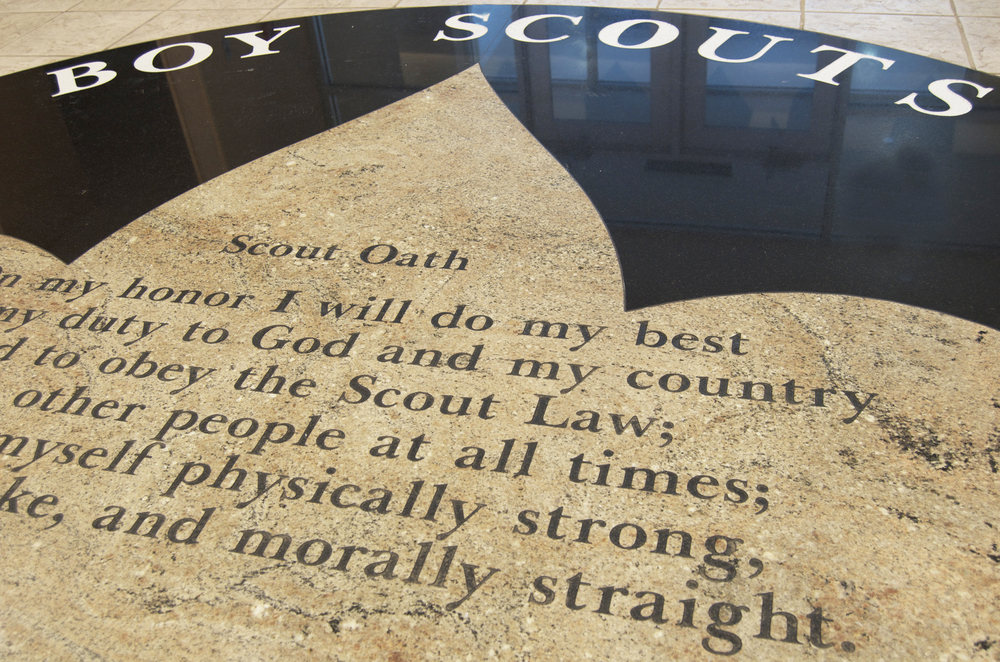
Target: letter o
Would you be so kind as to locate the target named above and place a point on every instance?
(73, 358)
(299, 345)
(105, 368)
(303, 551)
(18, 401)
(274, 250)
(365, 254)
(470, 323)
(665, 33)
(211, 339)
(208, 301)
(199, 53)
(616, 536)
(153, 295)
(665, 383)
(428, 400)
(234, 426)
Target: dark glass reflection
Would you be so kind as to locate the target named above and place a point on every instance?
(724, 178)
(78, 167)
(713, 177)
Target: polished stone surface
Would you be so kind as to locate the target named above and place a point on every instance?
(749, 166)
(856, 528)
(905, 35)
(720, 177)
(432, 300)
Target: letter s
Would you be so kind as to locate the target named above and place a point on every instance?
(358, 388)
(540, 586)
(957, 104)
(240, 246)
(296, 488)
(733, 487)
(68, 452)
(530, 525)
(455, 22)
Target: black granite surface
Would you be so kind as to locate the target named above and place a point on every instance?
(713, 177)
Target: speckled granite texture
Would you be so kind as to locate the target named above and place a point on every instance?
(365, 375)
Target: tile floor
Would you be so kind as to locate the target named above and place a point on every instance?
(36, 32)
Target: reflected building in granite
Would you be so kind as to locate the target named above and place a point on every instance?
(742, 172)
(725, 157)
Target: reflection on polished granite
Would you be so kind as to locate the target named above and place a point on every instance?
(36, 32)
(721, 157)
(835, 456)
(719, 177)
(87, 169)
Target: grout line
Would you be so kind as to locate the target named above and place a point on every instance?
(32, 30)
(872, 13)
(802, 10)
(119, 42)
(961, 33)
(74, 9)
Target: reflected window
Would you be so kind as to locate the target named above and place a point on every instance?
(599, 83)
(767, 94)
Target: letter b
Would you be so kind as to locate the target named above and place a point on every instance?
(644, 332)
(142, 367)
(67, 81)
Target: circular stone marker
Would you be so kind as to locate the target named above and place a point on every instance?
(339, 366)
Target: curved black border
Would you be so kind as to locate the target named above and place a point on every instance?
(692, 198)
